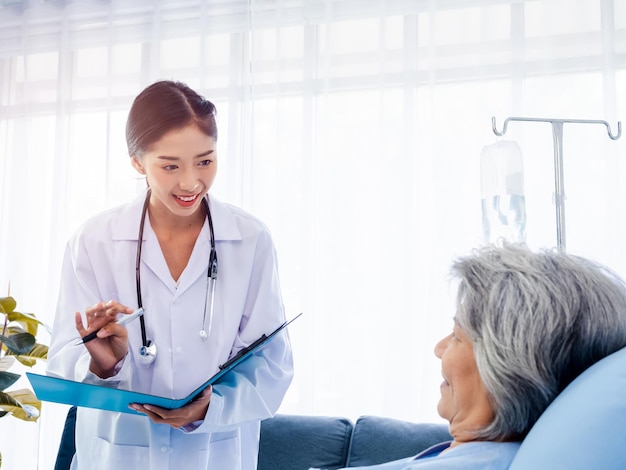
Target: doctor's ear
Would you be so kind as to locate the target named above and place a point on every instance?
(137, 165)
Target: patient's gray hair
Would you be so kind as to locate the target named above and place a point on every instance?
(536, 321)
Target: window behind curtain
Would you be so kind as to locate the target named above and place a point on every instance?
(353, 128)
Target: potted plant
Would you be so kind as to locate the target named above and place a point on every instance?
(18, 343)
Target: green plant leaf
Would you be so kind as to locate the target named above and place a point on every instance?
(23, 404)
(7, 304)
(19, 343)
(25, 323)
(26, 361)
(29, 359)
(39, 351)
(7, 379)
(7, 362)
(14, 329)
(28, 321)
(7, 401)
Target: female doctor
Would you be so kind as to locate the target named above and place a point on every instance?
(205, 274)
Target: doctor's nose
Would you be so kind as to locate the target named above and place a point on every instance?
(189, 182)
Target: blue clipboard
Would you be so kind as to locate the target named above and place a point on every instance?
(69, 392)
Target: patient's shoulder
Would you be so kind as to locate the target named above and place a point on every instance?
(468, 456)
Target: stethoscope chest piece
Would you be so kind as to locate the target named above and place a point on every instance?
(147, 354)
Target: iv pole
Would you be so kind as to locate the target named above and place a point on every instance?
(557, 135)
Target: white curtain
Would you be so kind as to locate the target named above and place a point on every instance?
(353, 128)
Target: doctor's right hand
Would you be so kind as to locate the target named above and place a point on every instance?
(111, 343)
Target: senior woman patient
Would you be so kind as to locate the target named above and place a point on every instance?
(527, 323)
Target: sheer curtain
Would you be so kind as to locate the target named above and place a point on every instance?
(353, 128)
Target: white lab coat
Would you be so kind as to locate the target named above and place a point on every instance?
(99, 265)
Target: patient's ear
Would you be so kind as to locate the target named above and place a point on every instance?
(585, 425)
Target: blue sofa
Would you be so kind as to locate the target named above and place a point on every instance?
(294, 442)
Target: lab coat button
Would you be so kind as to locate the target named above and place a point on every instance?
(164, 449)
(179, 350)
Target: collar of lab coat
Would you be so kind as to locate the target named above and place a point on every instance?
(224, 225)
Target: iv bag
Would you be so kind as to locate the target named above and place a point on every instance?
(502, 188)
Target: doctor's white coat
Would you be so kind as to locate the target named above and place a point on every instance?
(99, 265)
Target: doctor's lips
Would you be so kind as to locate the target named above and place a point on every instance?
(186, 201)
(187, 198)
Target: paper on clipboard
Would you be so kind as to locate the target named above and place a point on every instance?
(69, 392)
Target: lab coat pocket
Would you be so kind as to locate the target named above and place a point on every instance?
(224, 452)
(107, 456)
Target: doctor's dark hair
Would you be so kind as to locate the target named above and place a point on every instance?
(162, 107)
(536, 321)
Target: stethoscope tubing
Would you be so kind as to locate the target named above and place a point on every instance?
(148, 347)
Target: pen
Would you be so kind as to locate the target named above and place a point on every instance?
(122, 321)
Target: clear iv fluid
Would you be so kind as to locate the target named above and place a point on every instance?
(504, 216)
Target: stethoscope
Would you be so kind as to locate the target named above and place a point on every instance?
(148, 349)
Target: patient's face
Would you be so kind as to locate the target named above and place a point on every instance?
(464, 400)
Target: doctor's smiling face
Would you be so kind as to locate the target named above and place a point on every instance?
(464, 399)
(180, 169)
(171, 135)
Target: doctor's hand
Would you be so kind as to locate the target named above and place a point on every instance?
(193, 411)
(111, 343)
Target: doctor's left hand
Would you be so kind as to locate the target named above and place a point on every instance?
(194, 411)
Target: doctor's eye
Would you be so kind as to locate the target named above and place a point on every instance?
(206, 162)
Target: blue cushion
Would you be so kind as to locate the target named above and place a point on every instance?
(379, 439)
(585, 426)
(292, 442)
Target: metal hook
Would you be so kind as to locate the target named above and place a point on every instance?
(495, 129)
(619, 130)
(562, 121)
